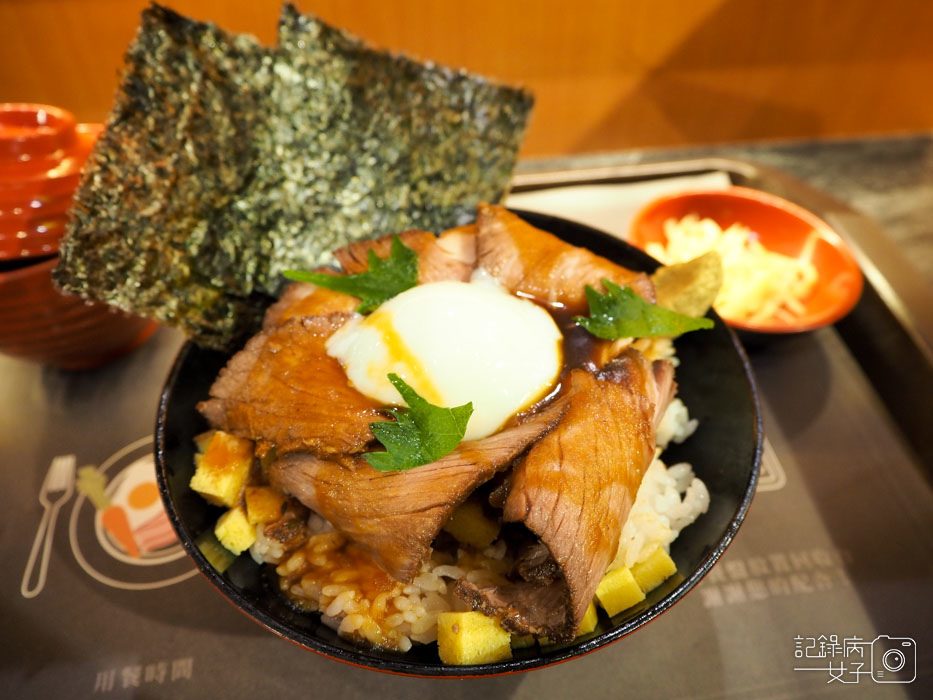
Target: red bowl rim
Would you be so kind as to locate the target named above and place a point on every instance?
(39, 138)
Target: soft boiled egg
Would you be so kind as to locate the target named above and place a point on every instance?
(455, 342)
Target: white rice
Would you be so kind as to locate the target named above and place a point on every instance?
(668, 500)
(676, 424)
(663, 507)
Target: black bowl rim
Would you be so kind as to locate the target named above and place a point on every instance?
(408, 668)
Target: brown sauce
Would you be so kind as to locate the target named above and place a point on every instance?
(579, 349)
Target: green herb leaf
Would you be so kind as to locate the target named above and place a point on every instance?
(621, 313)
(385, 278)
(421, 434)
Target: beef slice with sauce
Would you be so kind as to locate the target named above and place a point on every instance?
(538, 264)
(307, 299)
(283, 388)
(574, 489)
(450, 256)
(395, 516)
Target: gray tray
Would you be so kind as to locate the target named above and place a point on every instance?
(835, 545)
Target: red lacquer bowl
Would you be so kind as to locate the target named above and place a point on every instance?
(39, 324)
(42, 154)
(782, 227)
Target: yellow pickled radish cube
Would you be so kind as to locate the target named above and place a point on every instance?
(588, 623)
(234, 531)
(465, 638)
(522, 641)
(618, 591)
(655, 570)
(470, 525)
(263, 504)
(222, 470)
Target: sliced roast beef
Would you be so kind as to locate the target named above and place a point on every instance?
(450, 256)
(460, 244)
(451, 260)
(306, 299)
(524, 607)
(291, 528)
(574, 489)
(396, 515)
(283, 388)
(534, 563)
(657, 384)
(534, 263)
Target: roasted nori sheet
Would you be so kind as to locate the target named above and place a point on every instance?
(378, 143)
(146, 232)
(224, 163)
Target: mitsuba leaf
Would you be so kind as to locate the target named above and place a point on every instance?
(421, 434)
(385, 278)
(621, 313)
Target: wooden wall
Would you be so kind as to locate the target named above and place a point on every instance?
(607, 74)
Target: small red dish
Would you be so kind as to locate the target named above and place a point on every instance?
(782, 227)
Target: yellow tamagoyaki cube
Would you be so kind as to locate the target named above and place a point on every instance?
(470, 525)
(465, 638)
(588, 623)
(234, 531)
(618, 591)
(202, 440)
(655, 570)
(222, 470)
(263, 504)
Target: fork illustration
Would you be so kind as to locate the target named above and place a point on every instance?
(57, 488)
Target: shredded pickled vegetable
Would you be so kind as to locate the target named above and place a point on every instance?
(758, 285)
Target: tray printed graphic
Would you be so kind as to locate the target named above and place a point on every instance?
(119, 532)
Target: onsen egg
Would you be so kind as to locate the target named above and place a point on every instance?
(455, 342)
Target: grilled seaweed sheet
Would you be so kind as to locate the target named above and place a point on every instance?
(147, 232)
(225, 162)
